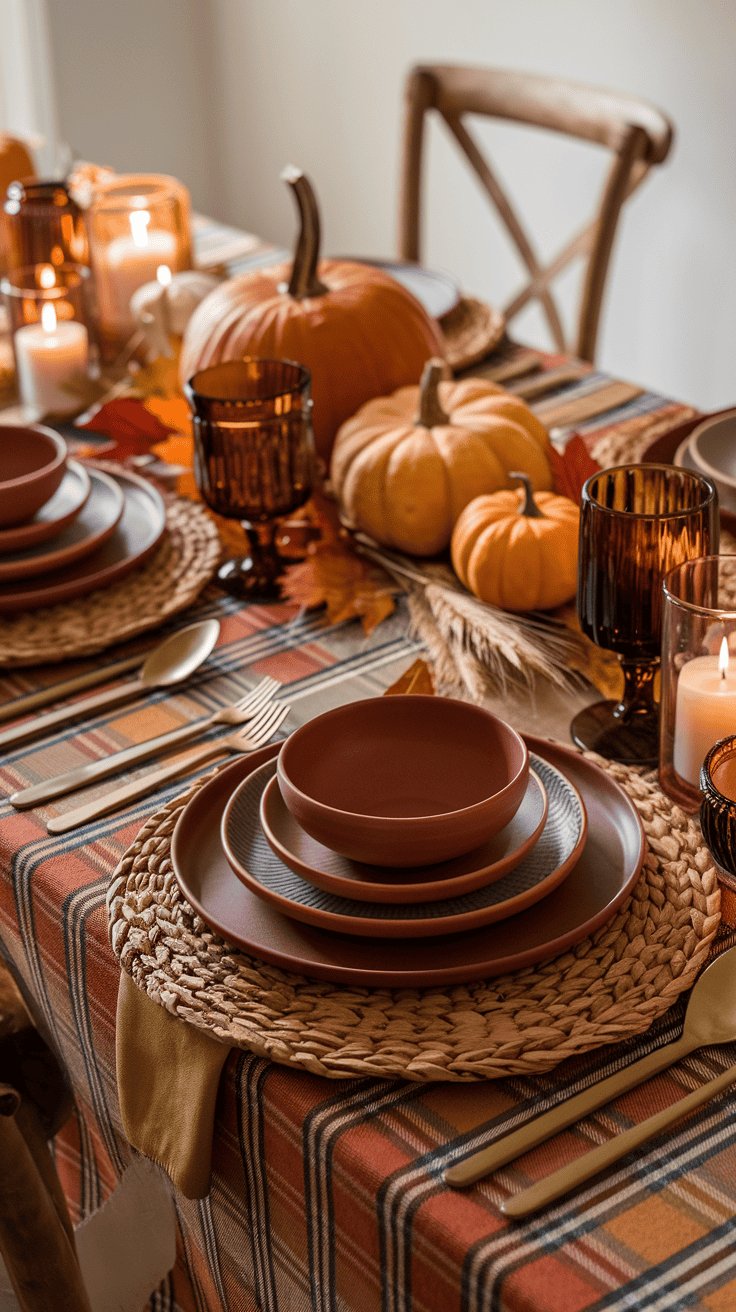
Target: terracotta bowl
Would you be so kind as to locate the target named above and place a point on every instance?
(403, 781)
(32, 464)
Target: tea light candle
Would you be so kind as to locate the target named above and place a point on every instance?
(127, 263)
(48, 355)
(705, 711)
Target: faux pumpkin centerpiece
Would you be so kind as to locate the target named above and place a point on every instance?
(405, 466)
(358, 331)
(516, 550)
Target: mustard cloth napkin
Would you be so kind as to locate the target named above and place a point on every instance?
(168, 1073)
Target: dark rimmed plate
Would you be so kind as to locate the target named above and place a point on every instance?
(59, 511)
(337, 874)
(89, 529)
(137, 534)
(601, 880)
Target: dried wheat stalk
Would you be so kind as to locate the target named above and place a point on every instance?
(476, 649)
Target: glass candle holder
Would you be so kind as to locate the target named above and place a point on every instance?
(698, 699)
(137, 224)
(47, 311)
(253, 458)
(718, 805)
(44, 225)
(636, 523)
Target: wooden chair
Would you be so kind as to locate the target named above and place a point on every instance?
(36, 1233)
(637, 133)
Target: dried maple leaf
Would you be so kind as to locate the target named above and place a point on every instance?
(573, 468)
(349, 587)
(417, 679)
(126, 419)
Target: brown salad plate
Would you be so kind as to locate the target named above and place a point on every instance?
(326, 869)
(53, 517)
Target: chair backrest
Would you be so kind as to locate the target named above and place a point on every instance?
(637, 133)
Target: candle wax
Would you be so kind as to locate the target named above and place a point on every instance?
(122, 269)
(46, 360)
(705, 711)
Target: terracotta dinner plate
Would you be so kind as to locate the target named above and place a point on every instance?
(136, 535)
(551, 859)
(601, 880)
(60, 510)
(94, 524)
(326, 869)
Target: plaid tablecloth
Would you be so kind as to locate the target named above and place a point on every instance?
(328, 1196)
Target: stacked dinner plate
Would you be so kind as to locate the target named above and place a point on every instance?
(555, 872)
(92, 525)
(276, 858)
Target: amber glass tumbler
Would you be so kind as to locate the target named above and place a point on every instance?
(253, 457)
(637, 522)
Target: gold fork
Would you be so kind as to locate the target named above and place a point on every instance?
(256, 735)
(244, 709)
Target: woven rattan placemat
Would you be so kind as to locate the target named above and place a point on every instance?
(609, 987)
(169, 581)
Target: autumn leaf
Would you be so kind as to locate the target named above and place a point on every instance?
(130, 423)
(573, 468)
(349, 587)
(417, 679)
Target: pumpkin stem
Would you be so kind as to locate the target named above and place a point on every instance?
(304, 281)
(530, 509)
(431, 414)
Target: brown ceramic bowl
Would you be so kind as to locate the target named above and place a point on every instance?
(32, 464)
(403, 781)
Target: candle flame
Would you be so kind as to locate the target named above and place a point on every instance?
(723, 657)
(163, 275)
(139, 221)
(46, 275)
(48, 318)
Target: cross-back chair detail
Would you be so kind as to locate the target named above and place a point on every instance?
(637, 134)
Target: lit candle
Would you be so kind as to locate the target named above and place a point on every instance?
(127, 263)
(48, 355)
(705, 711)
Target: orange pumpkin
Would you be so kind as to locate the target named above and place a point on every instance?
(405, 466)
(516, 550)
(359, 332)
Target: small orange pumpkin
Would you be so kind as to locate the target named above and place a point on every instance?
(406, 465)
(359, 332)
(518, 551)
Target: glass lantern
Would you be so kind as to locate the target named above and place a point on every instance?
(137, 224)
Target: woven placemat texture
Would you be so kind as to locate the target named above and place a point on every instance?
(612, 985)
(169, 581)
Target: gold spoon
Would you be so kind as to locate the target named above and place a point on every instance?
(172, 660)
(710, 1018)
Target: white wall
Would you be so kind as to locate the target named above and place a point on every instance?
(223, 93)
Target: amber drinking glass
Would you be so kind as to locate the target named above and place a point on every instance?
(637, 522)
(253, 457)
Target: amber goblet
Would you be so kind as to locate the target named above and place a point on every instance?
(253, 458)
(637, 522)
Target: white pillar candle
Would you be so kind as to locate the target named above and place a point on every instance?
(124, 266)
(705, 711)
(48, 355)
